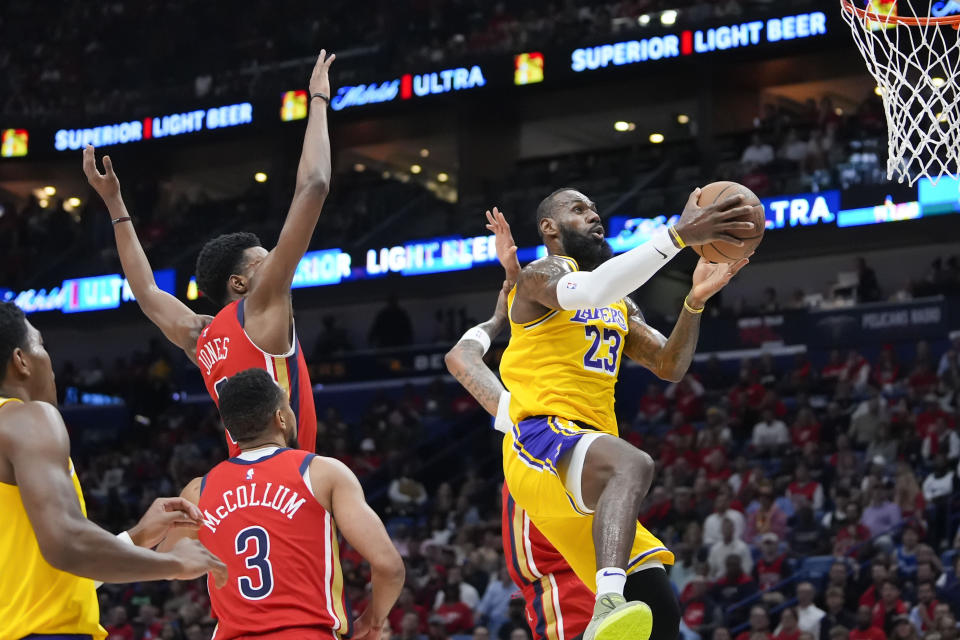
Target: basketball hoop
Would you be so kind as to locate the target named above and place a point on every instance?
(914, 56)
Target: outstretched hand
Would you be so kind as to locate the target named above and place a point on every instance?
(320, 78)
(506, 247)
(106, 184)
(709, 278)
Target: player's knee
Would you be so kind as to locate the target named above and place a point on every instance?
(638, 467)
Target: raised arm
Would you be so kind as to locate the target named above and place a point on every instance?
(339, 491)
(176, 320)
(67, 540)
(552, 284)
(465, 360)
(669, 358)
(271, 288)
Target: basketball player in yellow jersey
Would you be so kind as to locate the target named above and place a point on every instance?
(571, 321)
(50, 553)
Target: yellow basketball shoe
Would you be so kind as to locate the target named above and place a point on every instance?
(616, 619)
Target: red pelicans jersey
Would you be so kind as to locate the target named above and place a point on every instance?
(280, 547)
(224, 349)
(558, 605)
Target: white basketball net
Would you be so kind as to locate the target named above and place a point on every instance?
(915, 62)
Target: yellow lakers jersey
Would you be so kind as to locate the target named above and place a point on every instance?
(566, 363)
(35, 598)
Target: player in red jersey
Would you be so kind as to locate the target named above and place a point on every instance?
(272, 513)
(254, 327)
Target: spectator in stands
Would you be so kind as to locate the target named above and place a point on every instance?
(835, 615)
(941, 438)
(883, 445)
(809, 615)
(904, 630)
(787, 629)
(333, 339)
(922, 613)
(805, 428)
(410, 627)
(866, 421)
(806, 488)
(889, 607)
(757, 154)
(730, 544)
(516, 622)
(733, 586)
(839, 577)
(700, 612)
(653, 405)
(907, 492)
(772, 567)
(407, 495)
(493, 609)
(882, 514)
(759, 625)
(391, 326)
(766, 518)
(457, 615)
(793, 149)
(682, 512)
(938, 490)
(119, 627)
(865, 629)
(932, 411)
(852, 535)
(947, 627)
(406, 606)
(906, 552)
(770, 435)
(948, 585)
(868, 289)
(806, 535)
(712, 532)
(436, 628)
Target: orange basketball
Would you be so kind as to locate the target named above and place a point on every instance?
(720, 251)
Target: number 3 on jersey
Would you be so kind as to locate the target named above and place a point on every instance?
(609, 337)
(253, 543)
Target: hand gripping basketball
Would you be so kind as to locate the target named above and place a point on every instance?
(715, 221)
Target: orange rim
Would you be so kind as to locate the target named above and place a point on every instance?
(863, 14)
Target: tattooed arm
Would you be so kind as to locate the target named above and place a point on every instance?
(669, 358)
(465, 360)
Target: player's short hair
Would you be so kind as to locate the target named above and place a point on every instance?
(547, 206)
(220, 258)
(248, 401)
(13, 333)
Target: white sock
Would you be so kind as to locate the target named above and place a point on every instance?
(611, 580)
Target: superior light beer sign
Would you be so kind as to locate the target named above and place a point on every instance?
(700, 41)
(165, 126)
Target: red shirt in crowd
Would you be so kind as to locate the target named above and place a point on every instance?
(746, 635)
(807, 490)
(871, 633)
(396, 616)
(807, 433)
(788, 635)
(880, 612)
(458, 617)
(651, 406)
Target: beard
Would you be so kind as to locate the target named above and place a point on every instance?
(589, 252)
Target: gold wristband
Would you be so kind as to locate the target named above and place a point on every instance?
(687, 306)
(676, 236)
